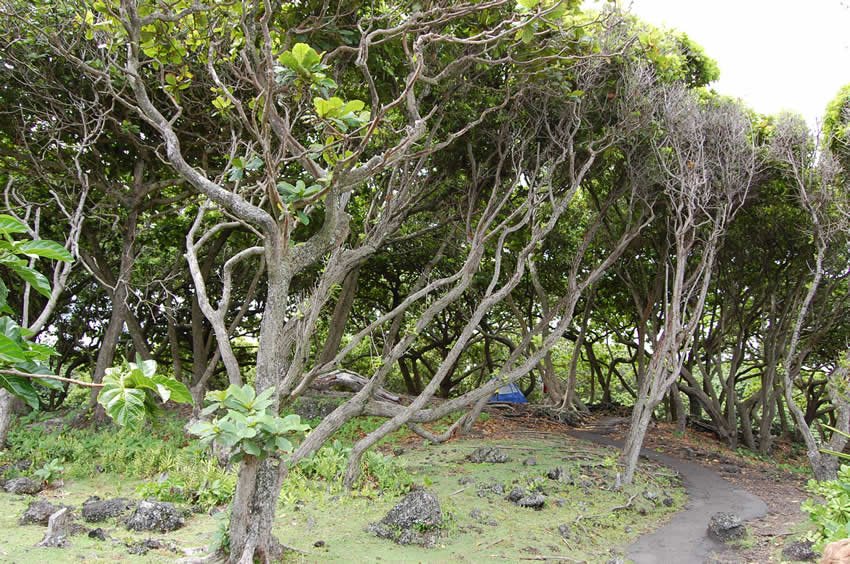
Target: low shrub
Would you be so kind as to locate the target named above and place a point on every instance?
(830, 512)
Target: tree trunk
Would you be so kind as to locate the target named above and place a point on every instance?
(253, 511)
(7, 403)
(342, 310)
(118, 297)
(641, 415)
(680, 416)
(259, 481)
(747, 409)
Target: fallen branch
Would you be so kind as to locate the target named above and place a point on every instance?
(612, 510)
(353, 382)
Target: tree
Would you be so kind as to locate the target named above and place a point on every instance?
(706, 162)
(822, 193)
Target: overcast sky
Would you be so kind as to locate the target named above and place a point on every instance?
(774, 54)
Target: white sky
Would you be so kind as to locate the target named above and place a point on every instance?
(775, 55)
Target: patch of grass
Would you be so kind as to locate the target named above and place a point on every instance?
(587, 507)
(479, 525)
(84, 453)
(742, 544)
(17, 544)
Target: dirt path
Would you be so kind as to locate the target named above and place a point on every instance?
(684, 539)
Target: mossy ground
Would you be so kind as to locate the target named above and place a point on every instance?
(501, 531)
(17, 543)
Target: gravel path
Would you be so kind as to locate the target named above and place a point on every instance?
(684, 540)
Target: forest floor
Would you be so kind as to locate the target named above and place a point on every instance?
(585, 518)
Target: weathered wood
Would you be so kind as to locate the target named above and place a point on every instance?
(351, 381)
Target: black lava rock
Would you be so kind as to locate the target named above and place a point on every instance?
(96, 510)
(22, 486)
(726, 527)
(488, 454)
(416, 519)
(155, 516)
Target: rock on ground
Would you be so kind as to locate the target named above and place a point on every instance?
(533, 501)
(142, 547)
(416, 519)
(96, 510)
(98, 534)
(726, 527)
(59, 528)
(155, 516)
(22, 486)
(800, 551)
(523, 498)
(39, 512)
(516, 494)
(488, 454)
(559, 475)
(485, 490)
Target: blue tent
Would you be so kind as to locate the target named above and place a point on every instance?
(508, 394)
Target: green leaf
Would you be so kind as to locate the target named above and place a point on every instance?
(126, 406)
(303, 217)
(288, 60)
(254, 163)
(176, 391)
(240, 399)
(4, 294)
(46, 249)
(34, 278)
(9, 224)
(283, 444)
(327, 108)
(148, 367)
(251, 448)
(352, 106)
(20, 387)
(305, 55)
(10, 351)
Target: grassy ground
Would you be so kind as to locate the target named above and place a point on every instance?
(17, 543)
(321, 523)
(503, 531)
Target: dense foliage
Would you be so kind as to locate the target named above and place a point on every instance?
(407, 198)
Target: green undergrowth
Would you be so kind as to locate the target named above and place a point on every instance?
(323, 522)
(170, 466)
(483, 526)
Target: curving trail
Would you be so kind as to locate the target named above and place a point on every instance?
(684, 540)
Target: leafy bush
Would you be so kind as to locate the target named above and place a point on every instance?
(130, 391)
(142, 452)
(202, 483)
(50, 471)
(248, 427)
(377, 470)
(831, 512)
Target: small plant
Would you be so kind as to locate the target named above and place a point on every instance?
(50, 471)
(248, 427)
(221, 536)
(831, 513)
